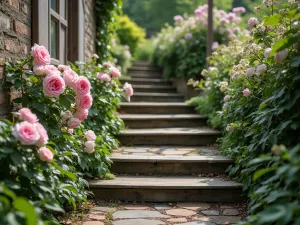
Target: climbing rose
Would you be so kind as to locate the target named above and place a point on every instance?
(39, 70)
(84, 102)
(53, 85)
(224, 20)
(65, 116)
(27, 115)
(81, 114)
(250, 71)
(40, 55)
(70, 131)
(107, 64)
(90, 135)
(70, 77)
(178, 19)
(227, 98)
(114, 72)
(267, 52)
(45, 154)
(26, 133)
(128, 91)
(43, 135)
(246, 92)
(63, 67)
(260, 69)
(281, 55)
(252, 22)
(104, 77)
(239, 10)
(188, 36)
(73, 123)
(51, 70)
(89, 146)
(83, 86)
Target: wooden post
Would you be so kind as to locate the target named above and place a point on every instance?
(209, 35)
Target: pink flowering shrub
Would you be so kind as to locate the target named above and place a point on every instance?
(181, 49)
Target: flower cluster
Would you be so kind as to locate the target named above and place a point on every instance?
(31, 132)
(90, 143)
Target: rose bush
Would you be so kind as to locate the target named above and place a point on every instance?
(181, 49)
(51, 146)
(258, 111)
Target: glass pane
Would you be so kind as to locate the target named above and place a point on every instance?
(62, 49)
(53, 39)
(54, 5)
(63, 8)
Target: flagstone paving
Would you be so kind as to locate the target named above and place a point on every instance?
(168, 213)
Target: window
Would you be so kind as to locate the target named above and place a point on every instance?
(59, 26)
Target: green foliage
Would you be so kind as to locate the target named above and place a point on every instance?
(122, 56)
(129, 33)
(107, 12)
(145, 50)
(254, 123)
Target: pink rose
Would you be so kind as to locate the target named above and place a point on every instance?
(84, 102)
(225, 105)
(63, 67)
(65, 116)
(26, 133)
(81, 114)
(95, 56)
(114, 72)
(224, 20)
(281, 55)
(104, 77)
(73, 123)
(239, 10)
(267, 52)
(178, 19)
(260, 69)
(70, 131)
(70, 77)
(89, 146)
(27, 115)
(215, 45)
(188, 36)
(90, 135)
(51, 70)
(227, 98)
(45, 154)
(40, 54)
(82, 86)
(252, 22)
(39, 70)
(107, 64)
(43, 135)
(53, 85)
(246, 92)
(128, 91)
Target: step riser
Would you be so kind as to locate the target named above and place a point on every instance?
(135, 98)
(134, 82)
(157, 110)
(141, 75)
(158, 195)
(155, 90)
(145, 68)
(183, 140)
(164, 123)
(161, 168)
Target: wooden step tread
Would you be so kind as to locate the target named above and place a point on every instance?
(172, 131)
(165, 182)
(160, 116)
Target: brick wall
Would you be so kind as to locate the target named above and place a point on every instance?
(90, 28)
(15, 40)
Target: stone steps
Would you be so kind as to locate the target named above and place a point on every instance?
(168, 164)
(169, 136)
(154, 88)
(156, 108)
(145, 81)
(144, 75)
(167, 189)
(156, 97)
(144, 68)
(162, 121)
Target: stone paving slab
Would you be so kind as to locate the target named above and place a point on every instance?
(172, 131)
(134, 214)
(138, 222)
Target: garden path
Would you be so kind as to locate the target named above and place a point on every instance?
(167, 155)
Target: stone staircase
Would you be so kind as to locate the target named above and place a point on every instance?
(167, 152)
